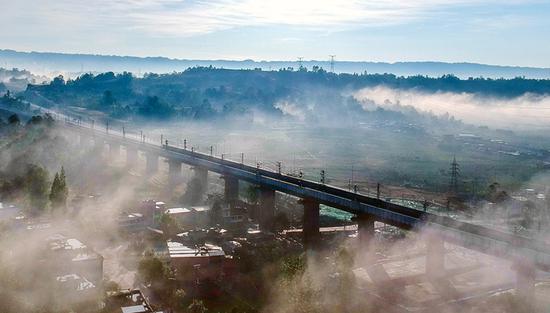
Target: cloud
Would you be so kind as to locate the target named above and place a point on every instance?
(528, 111)
(190, 18)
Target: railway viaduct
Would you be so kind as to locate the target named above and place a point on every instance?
(527, 255)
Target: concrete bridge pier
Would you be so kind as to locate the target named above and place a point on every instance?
(202, 174)
(311, 234)
(365, 229)
(525, 283)
(435, 256)
(99, 145)
(231, 189)
(131, 157)
(84, 140)
(151, 163)
(174, 170)
(267, 209)
(114, 150)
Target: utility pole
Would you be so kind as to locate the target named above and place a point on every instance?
(378, 191)
(211, 150)
(279, 167)
(242, 157)
(184, 144)
(332, 62)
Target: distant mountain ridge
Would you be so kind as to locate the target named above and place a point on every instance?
(74, 64)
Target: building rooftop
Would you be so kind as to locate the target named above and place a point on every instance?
(201, 208)
(127, 301)
(135, 309)
(60, 242)
(75, 282)
(78, 250)
(177, 211)
(179, 250)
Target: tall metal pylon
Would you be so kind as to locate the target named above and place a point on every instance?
(300, 63)
(332, 63)
(455, 172)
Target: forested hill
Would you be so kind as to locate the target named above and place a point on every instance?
(206, 92)
(48, 62)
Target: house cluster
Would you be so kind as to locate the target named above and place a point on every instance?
(201, 249)
(127, 301)
(58, 266)
(148, 215)
(75, 268)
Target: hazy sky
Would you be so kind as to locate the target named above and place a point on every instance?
(493, 31)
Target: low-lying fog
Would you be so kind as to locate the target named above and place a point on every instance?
(527, 112)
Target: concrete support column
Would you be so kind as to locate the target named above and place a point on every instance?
(151, 163)
(131, 156)
(99, 145)
(174, 170)
(525, 284)
(365, 229)
(231, 188)
(310, 225)
(114, 150)
(202, 174)
(84, 140)
(435, 256)
(267, 209)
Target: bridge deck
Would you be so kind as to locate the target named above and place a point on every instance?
(472, 236)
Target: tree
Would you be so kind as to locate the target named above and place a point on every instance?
(197, 306)
(179, 299)
(252, 194)
(153, 107)
(151, 270)
(168, 225)
(108, 100)
(281, 221)
(14, 119)
(37, 188)
(59, 191)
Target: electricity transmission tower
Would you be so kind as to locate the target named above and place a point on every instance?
(332, 63)
(455, 172)
(300, 63)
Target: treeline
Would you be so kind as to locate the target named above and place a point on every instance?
(205, 92)
(25, 178)
(14, 103)
(17, 80)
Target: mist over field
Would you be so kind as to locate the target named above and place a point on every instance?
(395, 139)
(526, 112)
(274, 156)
